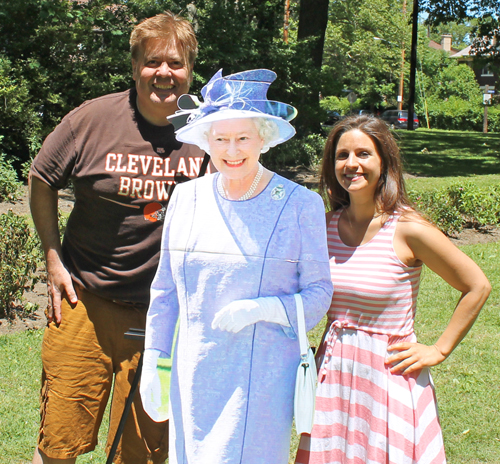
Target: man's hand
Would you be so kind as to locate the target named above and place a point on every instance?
(43, 203)
(59, 284)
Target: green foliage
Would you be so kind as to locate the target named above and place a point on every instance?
(459, 205)
(305, 151)
(459, 31)
(454, 114)
(457, 80)
(247, 34)
(353, 56)
(20, 122)
(493, 118)
(54, 55)
(478, 208)
(448, 90)
(341, 105)
(19, 255)
(484, 13)
(437, 207)
(9, 185)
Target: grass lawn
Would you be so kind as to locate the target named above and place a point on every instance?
(468, 382)
(438, 153)
(423, 184)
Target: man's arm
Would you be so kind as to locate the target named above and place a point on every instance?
(43, 204)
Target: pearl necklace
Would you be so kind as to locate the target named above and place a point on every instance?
(250, 191)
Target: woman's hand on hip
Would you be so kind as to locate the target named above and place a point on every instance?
(412, 357)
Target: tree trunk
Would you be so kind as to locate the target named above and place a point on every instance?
(313, 19)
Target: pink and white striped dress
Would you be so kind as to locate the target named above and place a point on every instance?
(365, 414)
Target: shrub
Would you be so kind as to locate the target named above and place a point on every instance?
(19, 255)
(478, 208)
(455, 114)
(9, 185)
(307, 151)
(438, 209)
(341, 105)
(459, 205)
(494, 118)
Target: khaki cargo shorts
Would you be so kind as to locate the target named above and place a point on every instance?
(80, 358)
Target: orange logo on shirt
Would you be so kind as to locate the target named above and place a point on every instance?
(154, 212)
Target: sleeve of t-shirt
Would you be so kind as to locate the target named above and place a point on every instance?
(56, 159)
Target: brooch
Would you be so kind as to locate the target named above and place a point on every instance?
(278, 192)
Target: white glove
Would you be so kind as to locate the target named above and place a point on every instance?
(150, 387)
(240, 313)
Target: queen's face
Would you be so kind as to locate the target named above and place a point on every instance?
(235, 147)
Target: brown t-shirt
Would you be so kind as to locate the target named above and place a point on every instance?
(123, 170)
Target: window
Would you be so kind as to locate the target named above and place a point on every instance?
(486, 71)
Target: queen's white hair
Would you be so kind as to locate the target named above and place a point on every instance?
(268, 131)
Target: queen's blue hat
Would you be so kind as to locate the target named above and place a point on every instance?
(237, 96)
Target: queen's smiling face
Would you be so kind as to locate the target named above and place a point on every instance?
(235, 147)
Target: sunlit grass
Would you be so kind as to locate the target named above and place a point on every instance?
(439, 153)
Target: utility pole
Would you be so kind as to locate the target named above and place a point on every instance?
(486, 100)
(287, 21)
(402, 76)
(413, 64)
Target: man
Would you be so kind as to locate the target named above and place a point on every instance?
(122, 157)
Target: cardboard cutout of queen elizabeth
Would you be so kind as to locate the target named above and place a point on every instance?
(237, 246)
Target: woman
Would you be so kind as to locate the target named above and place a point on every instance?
(236, 248)
(375, 400)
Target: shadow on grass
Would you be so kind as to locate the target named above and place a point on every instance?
(449, 154)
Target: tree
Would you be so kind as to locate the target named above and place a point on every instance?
(486, 32)
(20, 122)
(363, 49)
(65, 52)
(246, 34)
(460, 32)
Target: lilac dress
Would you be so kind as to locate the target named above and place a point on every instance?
(232, 394)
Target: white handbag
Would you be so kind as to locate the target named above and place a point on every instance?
(305, 384)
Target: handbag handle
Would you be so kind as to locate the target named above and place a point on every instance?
(301, 323)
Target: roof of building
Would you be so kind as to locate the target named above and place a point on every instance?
(438, 46)
(465, 52)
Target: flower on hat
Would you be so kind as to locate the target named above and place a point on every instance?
(240, 95)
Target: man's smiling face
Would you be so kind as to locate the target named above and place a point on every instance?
(161, 76)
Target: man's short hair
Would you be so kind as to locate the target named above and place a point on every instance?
(171, 27)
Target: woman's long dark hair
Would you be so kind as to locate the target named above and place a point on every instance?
(390, 195)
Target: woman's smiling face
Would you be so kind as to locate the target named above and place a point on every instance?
(358, 165)
(235, 147)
